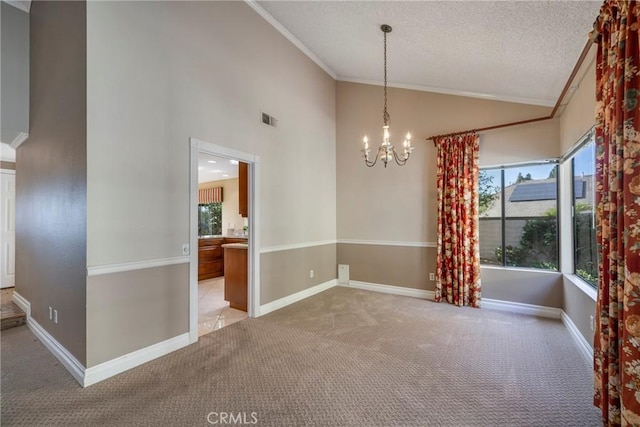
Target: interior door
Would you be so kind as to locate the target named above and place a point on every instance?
(8, 232)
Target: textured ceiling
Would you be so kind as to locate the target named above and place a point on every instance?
(519, 51)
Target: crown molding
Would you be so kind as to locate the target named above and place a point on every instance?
(293, 39)
(18, 140)
(24, 5)
(455, 92)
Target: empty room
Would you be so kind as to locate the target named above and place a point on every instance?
(324, 213)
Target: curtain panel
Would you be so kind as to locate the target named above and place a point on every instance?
(210, 195)
(458, 263)
(617, 334)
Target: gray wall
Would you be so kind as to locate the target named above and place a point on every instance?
(51, 176)
(286, 272)
(404, 266)
(14, 79)
(522, 285)
(156, 309)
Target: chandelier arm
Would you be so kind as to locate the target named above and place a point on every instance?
(400, 161)
(370, 163)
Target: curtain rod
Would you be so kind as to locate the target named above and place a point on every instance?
(565, 89)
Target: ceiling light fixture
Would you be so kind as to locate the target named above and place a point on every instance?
(386, 151)
(211, 161)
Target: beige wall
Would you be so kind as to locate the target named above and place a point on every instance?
(230, 199)
(159, 73)
(51, 176)
(398, 204)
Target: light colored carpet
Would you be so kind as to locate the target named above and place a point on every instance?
(341, 358)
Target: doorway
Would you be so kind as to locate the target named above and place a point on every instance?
(223, 223)
(223, 235)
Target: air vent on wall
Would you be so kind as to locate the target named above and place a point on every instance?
(269, 120)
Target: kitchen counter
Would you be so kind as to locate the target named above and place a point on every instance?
(235, 246)
(236, 275)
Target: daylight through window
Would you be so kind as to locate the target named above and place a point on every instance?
(518, 209)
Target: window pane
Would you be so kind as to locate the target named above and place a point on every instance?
(531, 211)
(585, 256)
(210, 219)
(490, 210)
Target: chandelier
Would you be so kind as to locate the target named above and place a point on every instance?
(387, 152)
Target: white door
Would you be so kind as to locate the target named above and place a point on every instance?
(8, 232)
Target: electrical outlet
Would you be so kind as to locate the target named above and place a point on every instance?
(50, 313)
(311, 274)
(55, 316)
(185, 249)
(591, 322)
(432, 276)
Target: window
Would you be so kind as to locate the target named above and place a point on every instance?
(518, 211)
(210, 219)
(585, 257)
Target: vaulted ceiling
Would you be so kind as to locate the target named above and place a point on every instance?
(520, 51)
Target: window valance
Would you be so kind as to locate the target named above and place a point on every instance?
(210, 195)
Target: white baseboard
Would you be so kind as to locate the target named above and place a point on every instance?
(518, 307)
(193, 335)
(89, 376)
(72, 364)
(583, 345)
(131, 360)
(298, 296)
(388, 289)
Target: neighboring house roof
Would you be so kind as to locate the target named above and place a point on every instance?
(535, 197)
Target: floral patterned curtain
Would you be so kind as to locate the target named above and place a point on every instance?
(617, 335)
(458, 265)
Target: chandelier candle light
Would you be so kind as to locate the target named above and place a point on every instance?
(386, 152)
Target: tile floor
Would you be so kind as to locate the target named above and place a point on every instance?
(213, 311)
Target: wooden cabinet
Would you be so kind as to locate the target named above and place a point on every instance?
(236, 275)
(243, 189)
(210, 258)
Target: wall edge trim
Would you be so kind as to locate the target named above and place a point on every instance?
(583, 344)
(298, 296)
(521, 308)
(131, 360)
(270, 249)
(390, 289)
(388, 243)
(22, 302)
(18, 140)
(99, 270)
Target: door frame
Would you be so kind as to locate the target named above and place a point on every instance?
(10, 278)
(253, 304)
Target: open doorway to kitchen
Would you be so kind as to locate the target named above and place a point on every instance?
(222, 243)
(223, 271)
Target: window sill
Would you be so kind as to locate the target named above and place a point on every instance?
(589, 290)
(523, 269)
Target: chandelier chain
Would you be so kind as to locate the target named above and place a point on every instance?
(385, 113)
